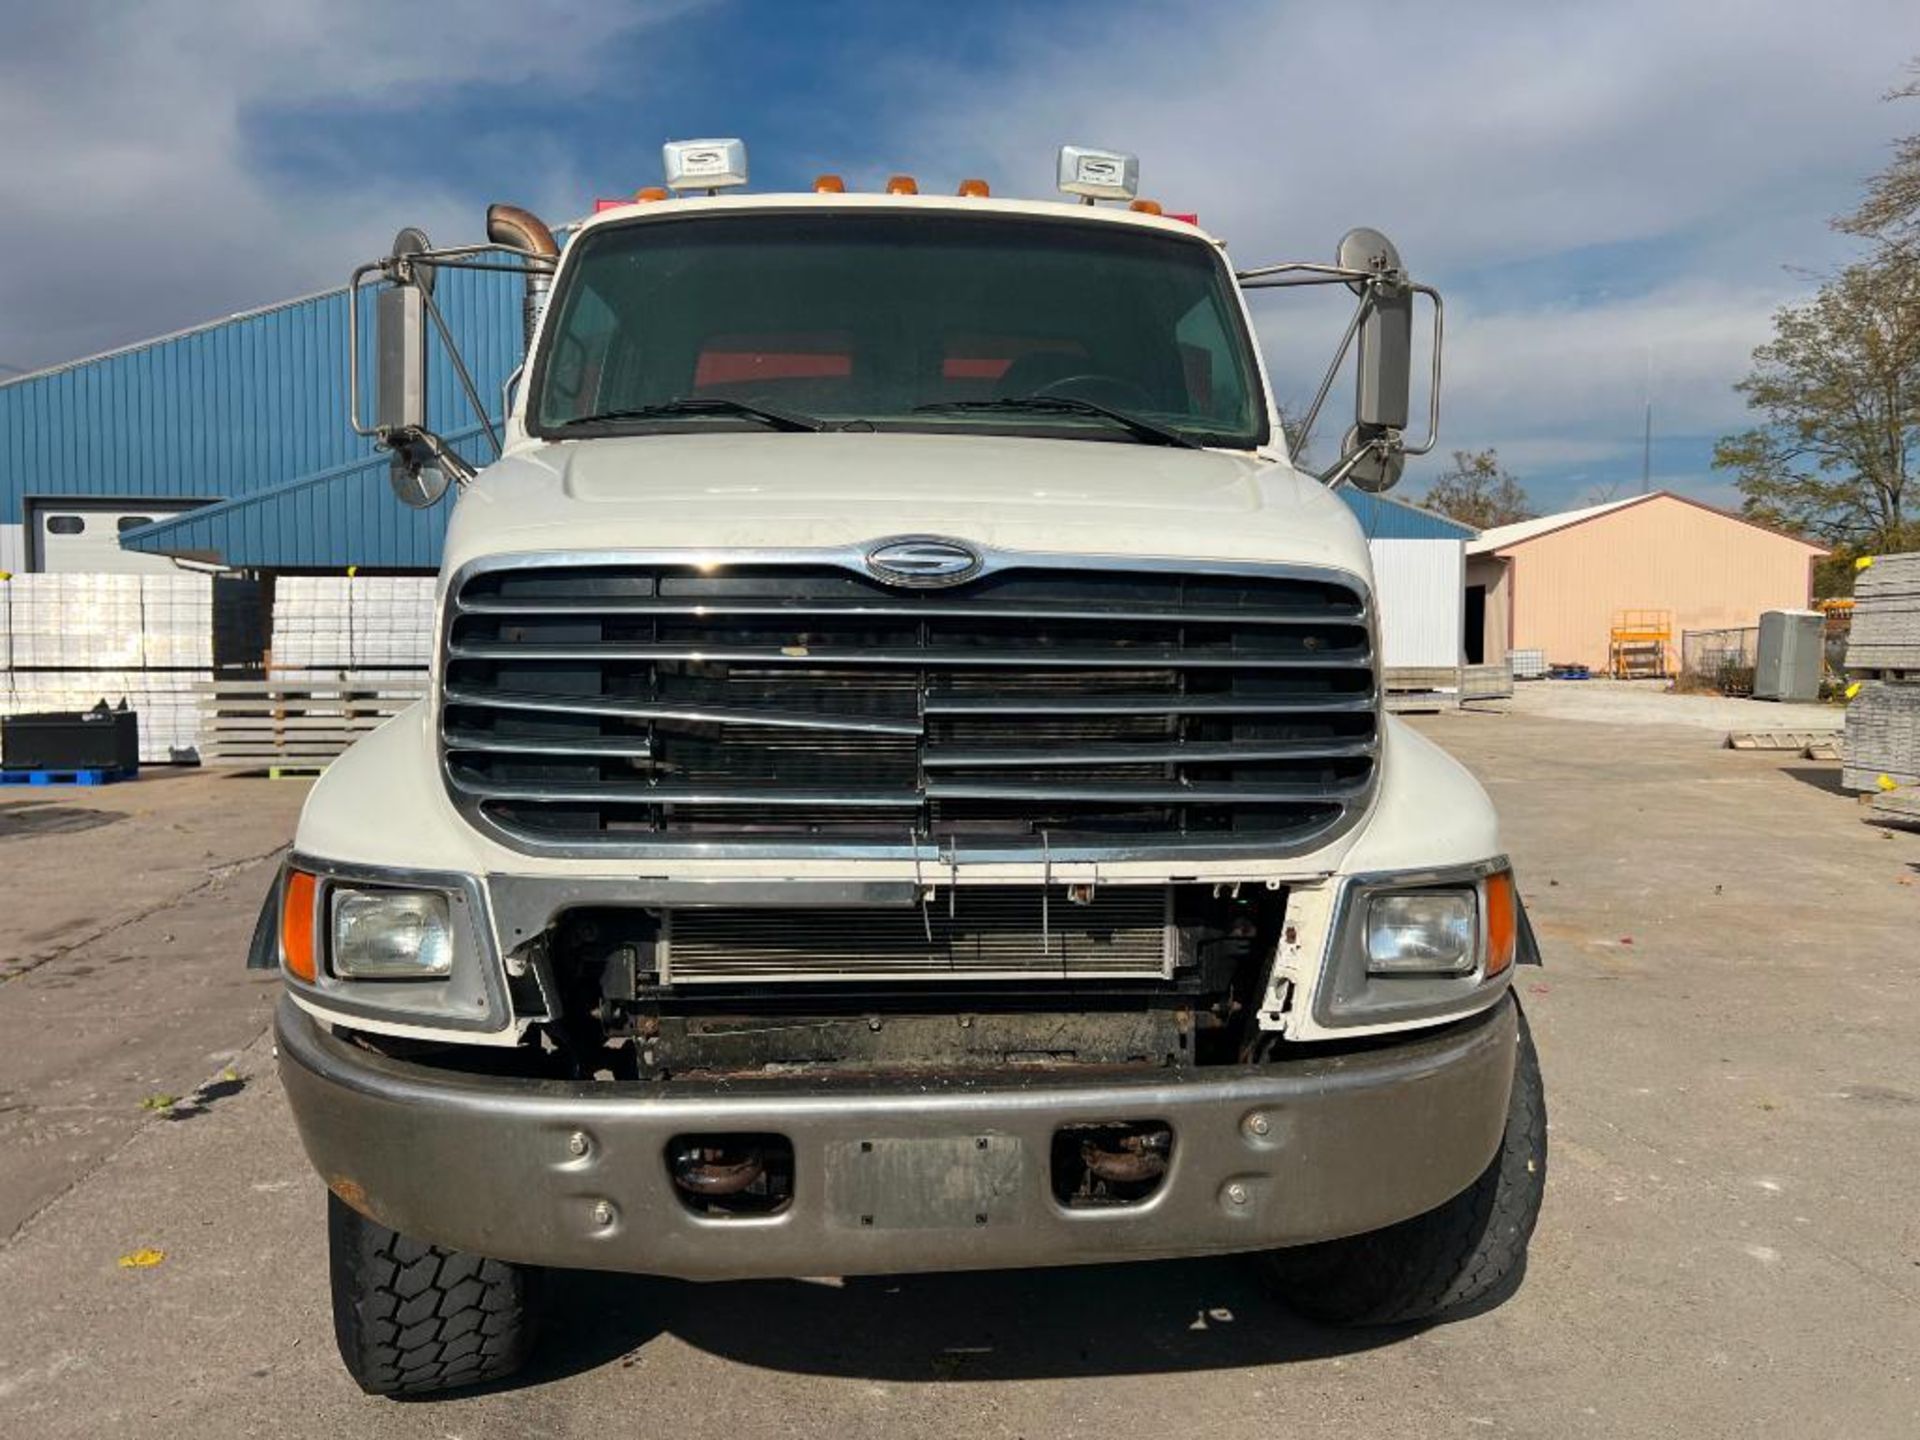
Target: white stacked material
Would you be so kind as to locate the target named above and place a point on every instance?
(109, 622)
(6, 634)
(1885, 634)
(1882, 736)
(1528, 664)
(165, 700)
(340, 622)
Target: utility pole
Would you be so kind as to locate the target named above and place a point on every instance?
(1646, 437)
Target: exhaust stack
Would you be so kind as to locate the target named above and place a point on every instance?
(522, 230)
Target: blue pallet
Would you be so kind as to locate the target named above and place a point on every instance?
(65, 777)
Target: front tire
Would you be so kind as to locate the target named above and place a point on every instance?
(1465, 1250)
(413, 1319)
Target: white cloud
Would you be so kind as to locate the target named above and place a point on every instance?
(133, 195)
(1708, 143)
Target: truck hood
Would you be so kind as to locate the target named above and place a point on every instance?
(752, 491)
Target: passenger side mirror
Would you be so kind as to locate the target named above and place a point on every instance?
(1373, 454)
(1384, 388)
(1384, 391)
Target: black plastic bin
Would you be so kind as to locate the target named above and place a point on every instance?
(96, 739)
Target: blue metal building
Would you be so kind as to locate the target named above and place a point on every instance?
(237, 430)
(248, 413)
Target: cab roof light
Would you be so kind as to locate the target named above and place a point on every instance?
(649, 194)
(705, 164)
(902, 185)
(1098, 174)
(1146, 207)
(829, 185)
(976, 188)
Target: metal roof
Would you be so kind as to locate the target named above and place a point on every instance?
(1501, 536)
(1505, 537)
(239, 407)
(1385, 518)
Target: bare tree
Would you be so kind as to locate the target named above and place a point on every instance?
(1477, 490)
(1890, 213)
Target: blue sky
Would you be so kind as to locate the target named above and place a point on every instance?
(1605, 192)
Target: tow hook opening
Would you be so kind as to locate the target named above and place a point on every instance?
(721, 1176)
(1122, 1162)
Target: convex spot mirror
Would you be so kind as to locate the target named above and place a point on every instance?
(418, 478)
(1384, 462)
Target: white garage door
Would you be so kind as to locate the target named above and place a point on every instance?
(87, 537)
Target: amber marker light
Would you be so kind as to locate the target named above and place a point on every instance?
(649, 195)
(829, 185)
(975, 188)
(902, 185)
(1502, 922)
(296, 925)
(1146, 207)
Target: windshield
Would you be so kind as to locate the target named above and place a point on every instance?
(900, 322)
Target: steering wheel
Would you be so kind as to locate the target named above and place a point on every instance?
(1114, 390)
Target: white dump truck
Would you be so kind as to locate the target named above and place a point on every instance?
(904, 786)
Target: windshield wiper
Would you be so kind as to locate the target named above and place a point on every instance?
(700, 405)
(1071, 405)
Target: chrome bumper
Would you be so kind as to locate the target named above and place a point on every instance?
(1265, 1156)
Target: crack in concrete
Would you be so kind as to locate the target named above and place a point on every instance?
(139, 1127)
(215, 875)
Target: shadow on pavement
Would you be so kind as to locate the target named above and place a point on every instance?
(38, 817)
(1820, 777)
(1140, 1319)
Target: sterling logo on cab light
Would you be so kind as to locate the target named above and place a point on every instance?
(923, 560)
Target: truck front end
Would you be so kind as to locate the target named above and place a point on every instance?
(905, 786)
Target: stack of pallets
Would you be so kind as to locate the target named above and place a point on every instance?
(1882, 745)
(296, 723)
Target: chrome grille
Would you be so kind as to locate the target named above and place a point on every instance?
(1037, 711)
(998, 932)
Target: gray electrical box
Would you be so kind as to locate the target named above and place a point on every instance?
(1789, 655)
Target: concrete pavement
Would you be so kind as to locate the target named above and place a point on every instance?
(1728, 1021)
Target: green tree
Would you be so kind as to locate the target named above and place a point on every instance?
(1837, 394)
(1477, 490)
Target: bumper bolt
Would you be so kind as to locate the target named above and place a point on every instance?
(602, 1214)
(1258, 1125)
(577, 1143)
(1237, 1193)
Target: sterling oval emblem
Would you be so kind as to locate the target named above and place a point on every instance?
(924, 560)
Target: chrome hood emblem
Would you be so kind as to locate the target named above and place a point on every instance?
(923, 560)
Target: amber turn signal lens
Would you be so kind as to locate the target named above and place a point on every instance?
(296, 925)
(1503, 922)
(902, 185)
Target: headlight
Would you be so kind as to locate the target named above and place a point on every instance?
(1422, 933)
(1417, 946)
(391, 935)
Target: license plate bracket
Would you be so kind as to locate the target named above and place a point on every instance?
(939, 1183)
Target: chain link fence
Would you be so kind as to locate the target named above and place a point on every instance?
(1719, 660)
